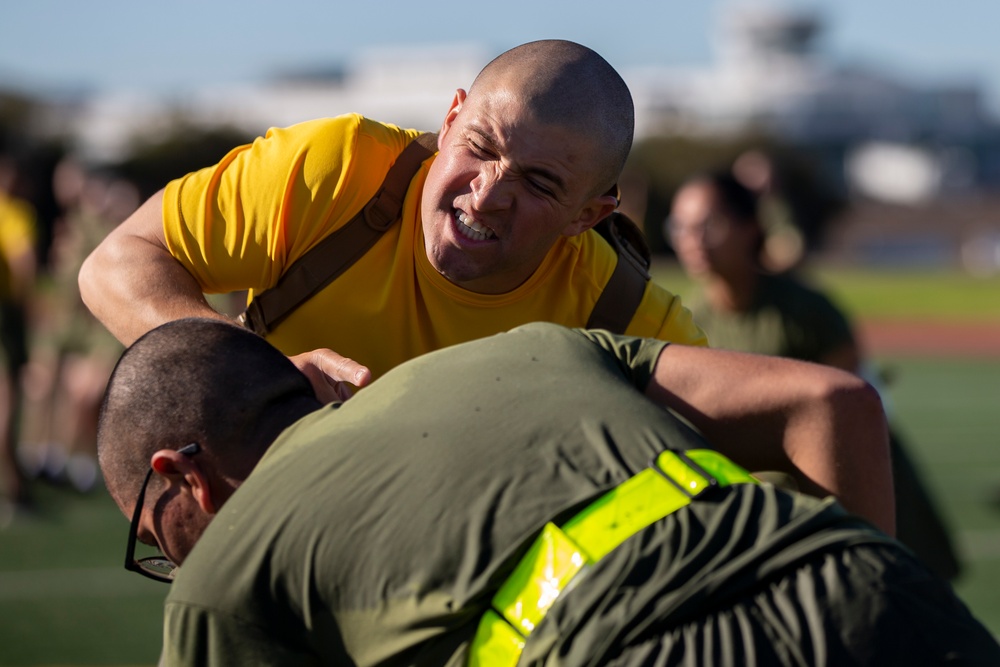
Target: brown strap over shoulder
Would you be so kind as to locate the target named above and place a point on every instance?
(624, 290)
(336, 253)
(340, 250)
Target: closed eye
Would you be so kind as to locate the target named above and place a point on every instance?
(482, 151)
(482, 148)
(540, 188)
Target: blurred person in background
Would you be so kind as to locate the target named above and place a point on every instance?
(72, 354)
(18, 233)
(716, 231)
(784, 244)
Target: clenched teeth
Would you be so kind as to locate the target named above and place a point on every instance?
(472, 229)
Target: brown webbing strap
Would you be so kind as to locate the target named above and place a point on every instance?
(624, 290)
(340, 250)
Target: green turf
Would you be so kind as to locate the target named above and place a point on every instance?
(866, 294)
(948, 412)
(940, 295)
(64, 597)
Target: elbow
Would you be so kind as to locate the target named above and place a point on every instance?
(102, 278)
(863, 434)
(851, 412)
(860, 426)
(89, 279)
(857, 399)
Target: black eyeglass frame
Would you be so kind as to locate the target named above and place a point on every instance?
(133, 564)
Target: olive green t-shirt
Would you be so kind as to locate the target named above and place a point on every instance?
(376, 531)
(788, 319)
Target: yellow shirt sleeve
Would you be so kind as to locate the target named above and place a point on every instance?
(663, 316)
(240, 223)
(18, 232)
(18, 226)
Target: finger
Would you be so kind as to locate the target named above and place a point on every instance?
(326, 389)
(330, 374)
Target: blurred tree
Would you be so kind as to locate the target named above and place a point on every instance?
(15, 114)
(152, 162)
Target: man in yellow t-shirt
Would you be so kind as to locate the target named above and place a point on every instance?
(495, 228)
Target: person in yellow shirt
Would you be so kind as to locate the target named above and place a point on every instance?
(495, 230)
(17, 270)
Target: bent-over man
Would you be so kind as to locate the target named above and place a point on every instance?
(536, 495)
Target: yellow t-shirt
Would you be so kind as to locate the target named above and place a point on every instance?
(239, 224)
(18, 230)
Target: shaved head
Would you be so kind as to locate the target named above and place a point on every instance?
(193, 380)
(566, 84)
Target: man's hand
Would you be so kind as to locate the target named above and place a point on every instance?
(330, 374)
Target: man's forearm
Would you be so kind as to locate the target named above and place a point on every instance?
(821, 425)
(132, 284)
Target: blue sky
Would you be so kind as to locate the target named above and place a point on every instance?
(169, 46)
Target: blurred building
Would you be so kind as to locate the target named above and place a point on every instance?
(409, 86)
(920, 165)
(882, 137)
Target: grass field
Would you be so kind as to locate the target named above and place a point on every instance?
(890, 294)
(66, 600)
(64, 597)
(948, 412)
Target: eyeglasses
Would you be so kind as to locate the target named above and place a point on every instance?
(712, 231)
(159, 568)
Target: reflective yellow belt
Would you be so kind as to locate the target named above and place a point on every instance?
(558, 554)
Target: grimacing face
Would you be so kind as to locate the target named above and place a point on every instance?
(503, 188)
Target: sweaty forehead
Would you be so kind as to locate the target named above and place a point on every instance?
(499, 113)
(538, 99)
(546, 155)
(512, 127)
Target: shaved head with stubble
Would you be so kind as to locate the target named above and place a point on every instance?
(530, 154)
(190, 408)
(564, 83)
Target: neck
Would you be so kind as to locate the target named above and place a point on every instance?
(733, 294)
(264, 431)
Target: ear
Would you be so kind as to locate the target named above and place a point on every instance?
(184, 470)
(592, 213)
(449, 119)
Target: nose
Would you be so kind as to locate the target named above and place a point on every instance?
(490, 189)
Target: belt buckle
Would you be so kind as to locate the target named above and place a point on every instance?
(680, 470)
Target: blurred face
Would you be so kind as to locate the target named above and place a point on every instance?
(503, 188)
(707, 239)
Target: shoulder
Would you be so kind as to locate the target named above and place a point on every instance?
(812, 312)
(344, 158)
(796, 291)
(342, 136)
(199, 634)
